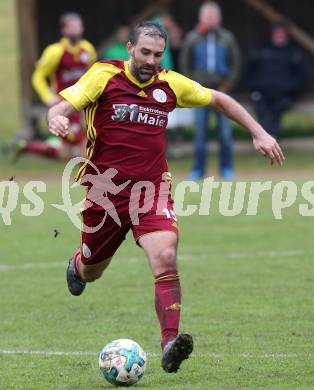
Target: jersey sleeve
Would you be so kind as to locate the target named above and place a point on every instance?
(189, 93)
(46, 67)
(90, 86)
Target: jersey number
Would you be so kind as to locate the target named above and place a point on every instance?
(170, 214)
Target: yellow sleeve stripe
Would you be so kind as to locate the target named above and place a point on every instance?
(91, 136)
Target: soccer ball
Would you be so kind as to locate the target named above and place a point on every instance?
(122, 362)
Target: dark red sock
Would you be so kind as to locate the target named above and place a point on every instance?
(168, 304)
(41, 149)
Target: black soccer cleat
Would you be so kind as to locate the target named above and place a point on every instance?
(75, 284)
(176, 351)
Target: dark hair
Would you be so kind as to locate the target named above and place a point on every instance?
(147, 28)
(64, 18)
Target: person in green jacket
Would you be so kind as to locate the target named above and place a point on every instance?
(116, 49)
(167, 61)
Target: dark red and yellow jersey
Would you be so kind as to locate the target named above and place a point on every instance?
(62, 63)
(126, 119)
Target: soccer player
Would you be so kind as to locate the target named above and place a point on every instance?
(63, 63)
(127, 104)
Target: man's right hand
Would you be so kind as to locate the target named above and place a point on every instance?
(59, 125)
(54, 100)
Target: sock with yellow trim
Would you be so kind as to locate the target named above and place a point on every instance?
(168, 304)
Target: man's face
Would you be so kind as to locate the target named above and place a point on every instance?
(73, 29)
(210, 17)
(280, 36)
(145, 56)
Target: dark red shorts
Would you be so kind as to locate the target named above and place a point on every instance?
(77, 133)
(104, 241)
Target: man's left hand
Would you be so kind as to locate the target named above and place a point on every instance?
(268, 147)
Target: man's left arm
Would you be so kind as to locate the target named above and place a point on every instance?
(191, 94)
(263, 142)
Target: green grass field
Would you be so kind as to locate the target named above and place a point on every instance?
(247, 283)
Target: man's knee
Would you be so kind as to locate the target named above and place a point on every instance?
(168, 258)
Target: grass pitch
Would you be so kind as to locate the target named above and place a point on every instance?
(247, 299)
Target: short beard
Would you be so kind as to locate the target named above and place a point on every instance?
(136, 72)
(74, 39)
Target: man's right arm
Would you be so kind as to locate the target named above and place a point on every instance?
(57, 118)
(80, 95)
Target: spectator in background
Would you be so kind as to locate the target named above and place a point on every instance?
(116, 48)
(210, 55)
(175, 35)
(275, 76)
(167, 61)
(174, 32)
(60, 66)
(158, 12)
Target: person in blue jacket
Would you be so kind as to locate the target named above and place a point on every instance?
(211, 56)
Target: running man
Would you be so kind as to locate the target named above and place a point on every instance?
(127, 104)
(60, 66)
